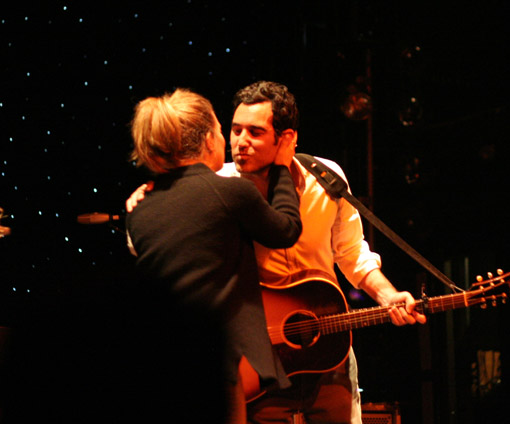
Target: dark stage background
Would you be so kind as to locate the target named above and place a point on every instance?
(71, 73)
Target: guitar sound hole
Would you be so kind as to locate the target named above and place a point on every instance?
(302, 329)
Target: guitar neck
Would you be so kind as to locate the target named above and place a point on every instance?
(360, 318)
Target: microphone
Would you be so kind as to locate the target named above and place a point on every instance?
(4, 231)
(96, 218)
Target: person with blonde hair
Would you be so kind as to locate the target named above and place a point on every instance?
(193, 239)
(170, 129)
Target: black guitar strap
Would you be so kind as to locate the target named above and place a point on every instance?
(336, 187)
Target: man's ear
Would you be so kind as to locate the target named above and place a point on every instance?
(289, 136)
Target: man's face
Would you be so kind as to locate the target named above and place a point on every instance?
(252, 138)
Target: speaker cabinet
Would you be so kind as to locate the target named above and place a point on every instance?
(380, 413)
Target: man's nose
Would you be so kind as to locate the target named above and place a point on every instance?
(243, 139)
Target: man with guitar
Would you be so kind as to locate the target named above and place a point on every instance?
(332, 233)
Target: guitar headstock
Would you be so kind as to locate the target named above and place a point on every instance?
(492, 288)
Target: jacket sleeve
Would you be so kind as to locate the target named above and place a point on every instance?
(275, 223)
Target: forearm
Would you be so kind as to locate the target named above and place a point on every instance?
(275, 223)
(378, 287)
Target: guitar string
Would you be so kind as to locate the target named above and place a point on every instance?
(363, 317)
(333, 321)
(380, 314)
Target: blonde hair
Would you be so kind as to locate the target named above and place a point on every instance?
(170, 128)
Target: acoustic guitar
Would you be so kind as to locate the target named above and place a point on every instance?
(310, 327)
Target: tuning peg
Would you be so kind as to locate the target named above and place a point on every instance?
(479, 278)
(499, 272)
(490, 275)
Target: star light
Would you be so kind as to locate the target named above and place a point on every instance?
(73, 103)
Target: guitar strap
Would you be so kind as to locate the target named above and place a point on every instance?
(336, 187)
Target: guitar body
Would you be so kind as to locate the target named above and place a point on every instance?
(292, 315)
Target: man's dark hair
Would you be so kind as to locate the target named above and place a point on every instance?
(283, 103)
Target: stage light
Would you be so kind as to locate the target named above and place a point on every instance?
(410, 112)
(357, 106)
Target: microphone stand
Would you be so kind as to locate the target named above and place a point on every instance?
(96, 218)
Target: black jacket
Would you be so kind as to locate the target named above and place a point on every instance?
(193, 235)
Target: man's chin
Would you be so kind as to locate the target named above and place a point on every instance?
(243, 166)
(239, 167)
(252, 170)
